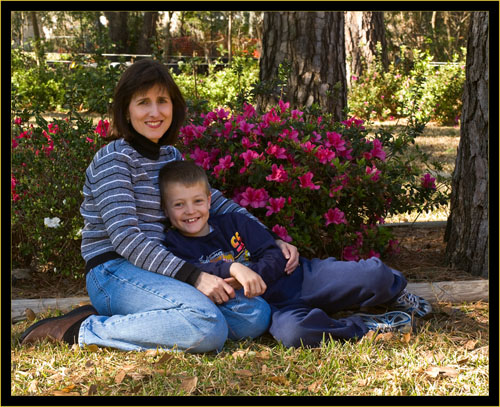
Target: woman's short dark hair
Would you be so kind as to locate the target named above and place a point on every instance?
(140, 77)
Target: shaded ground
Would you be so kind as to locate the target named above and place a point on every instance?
(421, 258)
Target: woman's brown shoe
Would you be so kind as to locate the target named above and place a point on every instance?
(55, 328)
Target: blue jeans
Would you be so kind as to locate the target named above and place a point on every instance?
(141, 310)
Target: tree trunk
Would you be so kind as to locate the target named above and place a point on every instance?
(362, 31)
(147, 33)
(37, 42)
(313, 44)
(229, 37)
(118, 29)
(467, 228)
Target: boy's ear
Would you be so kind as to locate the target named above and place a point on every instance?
(209, 200)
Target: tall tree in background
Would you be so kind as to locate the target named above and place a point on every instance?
(363, 29)
(118, 29)
(148, 32)
(313, 44)
(467, 228)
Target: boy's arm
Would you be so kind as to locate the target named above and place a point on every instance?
(267, 259)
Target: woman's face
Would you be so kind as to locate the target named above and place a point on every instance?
(151, 112)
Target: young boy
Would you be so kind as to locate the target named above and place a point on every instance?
(244, 253)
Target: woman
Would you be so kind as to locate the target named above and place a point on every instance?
(144, 296)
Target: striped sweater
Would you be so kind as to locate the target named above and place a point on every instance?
(122, 212)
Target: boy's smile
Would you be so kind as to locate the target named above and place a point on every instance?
(188, 208)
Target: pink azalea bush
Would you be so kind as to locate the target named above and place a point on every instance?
(322, 185)
(48, 172)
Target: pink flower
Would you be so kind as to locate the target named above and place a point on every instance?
(102, 128)
(278, 174)
(324, 155)
(335, 216)
(245, 142)
(256, 198)
(248, 110)
(350, 253)
(14, 143)
(308, 147)
(354, 78)
(282, 233)
(373, 172)
(335, 141)
(18, 121)
(271, 117)
(353, 122)
(248, 156)
(428, 181)
(306, 181)
(278, 152)
(373, 253)
(377, 151)
(275, 205)
(53, 128)
(224, 164)
(245, 127)
(283, 106)
(201, 158)
(221, 113)
(297, 114)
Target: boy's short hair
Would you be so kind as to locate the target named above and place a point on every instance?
(183, 172)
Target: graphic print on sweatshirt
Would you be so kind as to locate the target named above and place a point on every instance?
(239, 253)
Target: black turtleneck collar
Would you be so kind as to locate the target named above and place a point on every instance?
(145, 147)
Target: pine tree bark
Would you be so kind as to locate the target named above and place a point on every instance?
(118, 29)
(363, 29)
(467, 227)
(313, 44)
(148, 31)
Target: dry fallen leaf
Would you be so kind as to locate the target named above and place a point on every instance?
(384, 337)
(315, 387)
(406, 337)
(65, 393)
(189, 384)
(92, 390)
(30, 314)
(239, 353)
(265, 355)
(120, 376)
(435, 371)
(470, 345)
(279, 380)
(243, 372)
(92, 348)
(165, 357)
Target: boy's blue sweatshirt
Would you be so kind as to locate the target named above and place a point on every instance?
(234, 237)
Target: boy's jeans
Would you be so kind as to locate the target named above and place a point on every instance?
(143, 310)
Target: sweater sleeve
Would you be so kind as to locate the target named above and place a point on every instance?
(110, 184)
(266, 259)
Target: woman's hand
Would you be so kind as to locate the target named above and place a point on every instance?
(252, 283)
(215, 288)
(291, 253)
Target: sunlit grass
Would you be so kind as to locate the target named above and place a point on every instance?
(445, 355)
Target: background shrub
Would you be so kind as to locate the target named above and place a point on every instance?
(325, 186)
(48, 172)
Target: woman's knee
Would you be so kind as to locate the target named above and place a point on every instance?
(246, 317)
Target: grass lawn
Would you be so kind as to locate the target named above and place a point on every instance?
(445, 355)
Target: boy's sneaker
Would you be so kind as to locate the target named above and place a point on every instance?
(411, 303)
(389, 322)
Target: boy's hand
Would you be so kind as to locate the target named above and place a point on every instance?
(291, 253)
(252, 283)
(233, 283)
(214, 288)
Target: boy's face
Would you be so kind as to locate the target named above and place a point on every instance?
(188, 208)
